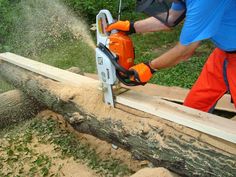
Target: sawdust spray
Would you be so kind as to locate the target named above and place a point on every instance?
(46, 22)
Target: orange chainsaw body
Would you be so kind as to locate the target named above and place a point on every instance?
(121, 44)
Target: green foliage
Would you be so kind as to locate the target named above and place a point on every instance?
(90, 9)
(73, 53)
(6, 14)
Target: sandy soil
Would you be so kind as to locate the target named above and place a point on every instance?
(60, 165)
(63, 166)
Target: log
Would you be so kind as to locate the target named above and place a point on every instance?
(148, 137)
(16, 107)
(206, 123)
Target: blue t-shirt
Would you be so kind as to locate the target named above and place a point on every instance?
(209, 19)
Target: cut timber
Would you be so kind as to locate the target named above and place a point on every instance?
(204, 122)
(45, 70)
(164, 143)
(207, 123)
(16, 107)
(175, 94)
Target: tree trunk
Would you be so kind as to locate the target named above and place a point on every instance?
(167, 144)
(15, 106)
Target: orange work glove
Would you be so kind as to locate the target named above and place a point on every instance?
(125, 26)
(142, 72)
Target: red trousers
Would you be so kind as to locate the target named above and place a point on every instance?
(218, 76)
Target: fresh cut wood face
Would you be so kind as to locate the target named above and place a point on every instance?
(204, 122)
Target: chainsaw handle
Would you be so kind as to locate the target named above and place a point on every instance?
(114, 60)
(103, 19)
(122, 74)
(130, 83)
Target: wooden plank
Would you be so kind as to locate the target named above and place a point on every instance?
(175, 94)
(46, 70)
(178, 95)
(198, 120)
(204, 122)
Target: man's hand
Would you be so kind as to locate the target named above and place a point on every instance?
(142, 72)
(125, 26)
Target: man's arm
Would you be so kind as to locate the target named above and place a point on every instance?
(174, 56)
(144, 71)
(152, 24)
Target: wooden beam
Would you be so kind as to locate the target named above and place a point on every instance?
(175, 94)
(204, 122)
(45, 70)
(201, 121)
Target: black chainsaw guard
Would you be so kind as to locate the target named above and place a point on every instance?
(122, 74)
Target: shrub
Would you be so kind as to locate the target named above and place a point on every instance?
(89, 9)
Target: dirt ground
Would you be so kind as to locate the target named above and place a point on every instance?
(39, 159)
(24, 152)
(63, 166)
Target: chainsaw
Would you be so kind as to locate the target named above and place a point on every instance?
(114, 56)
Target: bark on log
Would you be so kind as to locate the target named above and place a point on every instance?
(180, 149)
(15, 106)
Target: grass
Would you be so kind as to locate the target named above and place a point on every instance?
(72, 53)
(18, 157)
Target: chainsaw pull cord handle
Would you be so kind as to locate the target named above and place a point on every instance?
(126, 74)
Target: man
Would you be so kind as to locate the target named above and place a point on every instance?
(211, 19)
